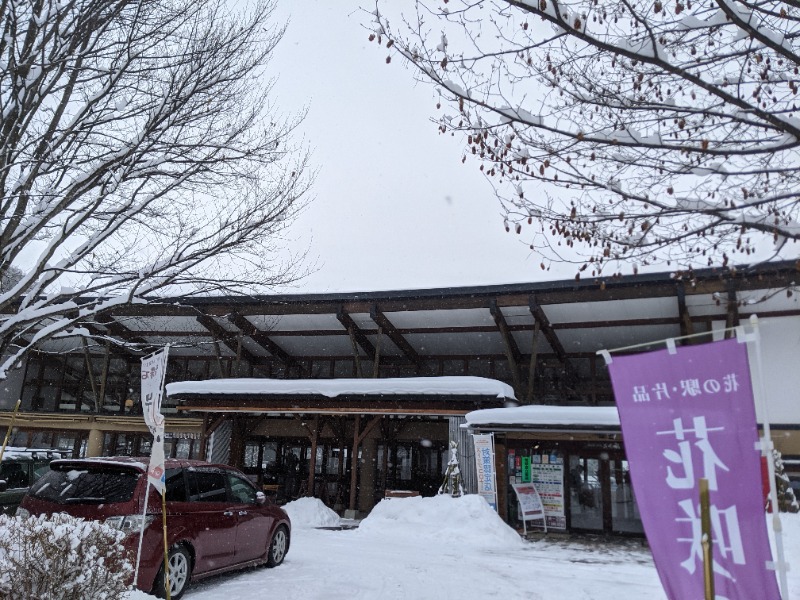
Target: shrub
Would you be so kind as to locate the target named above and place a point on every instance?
(61, 558)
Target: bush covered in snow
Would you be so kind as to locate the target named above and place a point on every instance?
(62, 558)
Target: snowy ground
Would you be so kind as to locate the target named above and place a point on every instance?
(441, 548)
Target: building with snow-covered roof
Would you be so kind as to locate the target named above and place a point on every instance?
(351, 394)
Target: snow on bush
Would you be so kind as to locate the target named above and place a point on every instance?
(62, 558)
(465, 521)
(306, 513)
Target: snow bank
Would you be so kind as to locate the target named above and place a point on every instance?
(306, 513)
(466, 521)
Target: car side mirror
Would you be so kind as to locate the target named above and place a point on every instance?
(261, 498)
(3, 485)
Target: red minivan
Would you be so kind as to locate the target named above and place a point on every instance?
(217, 520)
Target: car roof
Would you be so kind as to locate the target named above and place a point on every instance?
(13, 453)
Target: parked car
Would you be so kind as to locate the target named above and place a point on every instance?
(20, 468)
(217, 520)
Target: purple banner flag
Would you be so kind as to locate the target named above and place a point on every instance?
(686, 416)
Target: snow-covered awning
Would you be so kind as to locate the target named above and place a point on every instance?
(420, 396)
(331, 388)
(527, 418)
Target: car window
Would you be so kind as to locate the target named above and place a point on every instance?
(207, 486)
(40, 468)
(241, 489)
(15, 474)
(86, 485)
(176, 486)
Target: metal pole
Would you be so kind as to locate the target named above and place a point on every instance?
(705, 528)
(166, 550)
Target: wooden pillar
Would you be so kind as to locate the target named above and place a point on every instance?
(500, 464)
(358, 437)
(354, 463)
(534, 358)
(94, 446)
(312, 463)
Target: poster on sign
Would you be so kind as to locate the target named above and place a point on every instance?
(687, 413)
(484, 462)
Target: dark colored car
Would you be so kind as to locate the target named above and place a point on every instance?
(216, 519)
(20, 468)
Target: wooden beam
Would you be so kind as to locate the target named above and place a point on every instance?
(547, 329)
(687, 327)
(382, 321)
(532, 365)
(223, 335)
(732, 318)
(262, 339)
(350, 325)
(513, 354)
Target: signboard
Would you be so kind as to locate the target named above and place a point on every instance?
(688, 414)
(526, 469)
(154, 369)
(530, 503)
(484, 461)
(549, 481)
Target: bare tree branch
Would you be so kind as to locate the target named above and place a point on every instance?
(139, 157)
(621, 131)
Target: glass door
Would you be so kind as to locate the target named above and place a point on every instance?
(624, 512)
(586, 494)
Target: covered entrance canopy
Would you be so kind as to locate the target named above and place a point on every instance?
(584, 478)
(364, 403)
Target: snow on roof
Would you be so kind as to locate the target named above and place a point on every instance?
(527, 416)
(424, 386)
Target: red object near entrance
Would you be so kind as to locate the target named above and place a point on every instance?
(217, 520)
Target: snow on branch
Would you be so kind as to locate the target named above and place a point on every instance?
(140, 156)
(622, 133)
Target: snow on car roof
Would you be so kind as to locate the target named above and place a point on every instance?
(426, 386)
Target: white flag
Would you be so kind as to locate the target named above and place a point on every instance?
(154, 369)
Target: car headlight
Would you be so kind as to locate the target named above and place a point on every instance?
(23, 512)
(130, 523)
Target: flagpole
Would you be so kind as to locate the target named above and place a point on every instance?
(766, 450)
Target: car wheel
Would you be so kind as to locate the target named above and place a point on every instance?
(180, 569)
(278, 547)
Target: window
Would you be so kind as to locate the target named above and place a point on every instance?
(15, 474)
(207, 486)
(241, 490)
(102, 485)
(175, 485)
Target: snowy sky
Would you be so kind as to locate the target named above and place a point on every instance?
(395, 208)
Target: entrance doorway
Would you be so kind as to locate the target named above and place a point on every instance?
(601, 496)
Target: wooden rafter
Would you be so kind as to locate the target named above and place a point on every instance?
(509, 344)
(547, 329)
(382, 321)
(223, 335)
(262, 339)
(347, 321)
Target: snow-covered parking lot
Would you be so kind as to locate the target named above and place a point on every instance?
(441, 548)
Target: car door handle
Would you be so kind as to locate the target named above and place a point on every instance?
(242, 512)
(228, 513)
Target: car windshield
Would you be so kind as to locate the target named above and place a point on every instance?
(69, 485)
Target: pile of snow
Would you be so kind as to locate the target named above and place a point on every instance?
(306, 513)
(466, 521)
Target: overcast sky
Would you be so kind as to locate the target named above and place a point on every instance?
(395, 208)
